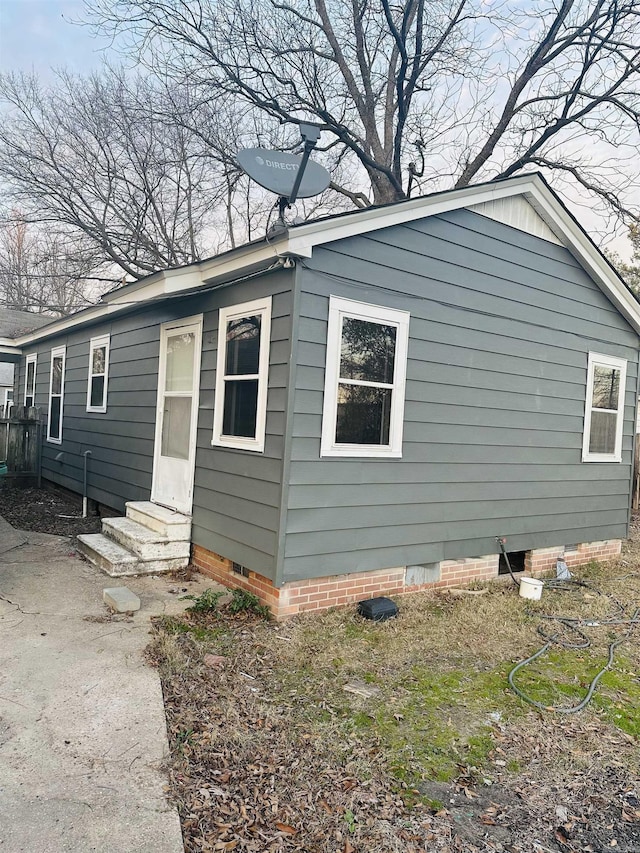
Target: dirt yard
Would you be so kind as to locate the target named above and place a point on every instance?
(45, 510)
(330, 733)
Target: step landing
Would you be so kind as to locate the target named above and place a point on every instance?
(172, 525)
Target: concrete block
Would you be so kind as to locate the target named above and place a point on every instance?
(121, 599)
(419, 575)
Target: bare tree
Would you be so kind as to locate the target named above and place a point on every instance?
(421, 94)
(140, 168)
(47, 272)
(630, 270)
(102, 158)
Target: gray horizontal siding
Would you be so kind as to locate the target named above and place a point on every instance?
(406, 553)
(238, 493)
(120, 440)
(501, 324)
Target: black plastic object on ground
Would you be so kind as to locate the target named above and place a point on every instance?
(378, 609)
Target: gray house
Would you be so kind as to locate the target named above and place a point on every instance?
(357, 405)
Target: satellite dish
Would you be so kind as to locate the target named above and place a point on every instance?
(277, 171)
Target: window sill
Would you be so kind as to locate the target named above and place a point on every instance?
(54, 440)
(238, 444)
(364, 452)
(96, 411)
(601, 457)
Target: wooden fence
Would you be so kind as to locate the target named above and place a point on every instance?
(20, 443)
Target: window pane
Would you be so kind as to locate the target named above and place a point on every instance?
(368, 351)
(98, 360)
(180, 350)
(603, 432)
(28, 400)
(364, 415)
(56, 383)
(97, 391)
(240, 408)
(176, 427)
(54, 417)
(243, 346)
(606, 387)
(30, 375)
(9, 394)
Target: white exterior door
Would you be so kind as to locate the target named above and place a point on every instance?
(177, 413)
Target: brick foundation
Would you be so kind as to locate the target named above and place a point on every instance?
(544, 559)
(340, 590)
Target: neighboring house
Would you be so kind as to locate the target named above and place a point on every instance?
(361, 404)
(12, 324)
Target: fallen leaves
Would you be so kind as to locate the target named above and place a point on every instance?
(253, 770)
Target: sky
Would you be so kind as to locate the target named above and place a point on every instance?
(36, 35)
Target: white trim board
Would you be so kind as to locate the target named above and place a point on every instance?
(246, 309)
(620, 364)
(194, 322)
(300, 240)
(340, 308)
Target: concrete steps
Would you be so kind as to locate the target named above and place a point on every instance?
(144, 543)
(149, 540)
(164, 521)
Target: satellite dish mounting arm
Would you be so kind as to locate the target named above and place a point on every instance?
(310, 134)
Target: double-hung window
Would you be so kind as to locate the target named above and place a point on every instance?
(364, 380)
(240, 412)
(30, 381)
(604, 409)
(56, 395)
(98, 374)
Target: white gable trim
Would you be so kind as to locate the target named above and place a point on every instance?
(300, 241)
(517, 213)
(302, 238)
(583, 250)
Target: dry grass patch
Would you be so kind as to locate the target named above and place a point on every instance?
(271, 753)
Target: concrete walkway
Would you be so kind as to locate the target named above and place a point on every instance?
(82, 727)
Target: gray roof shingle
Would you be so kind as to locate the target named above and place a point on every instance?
(14, 323)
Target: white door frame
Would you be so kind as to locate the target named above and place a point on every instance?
(165, 329)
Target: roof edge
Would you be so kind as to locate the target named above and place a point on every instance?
(300, 240)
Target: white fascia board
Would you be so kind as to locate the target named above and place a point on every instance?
(302, 238)
(228, 264)
(8, 345)
(163, 283)
(157, 285)
(135, 291)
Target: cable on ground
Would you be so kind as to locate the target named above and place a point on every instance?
(570, 623)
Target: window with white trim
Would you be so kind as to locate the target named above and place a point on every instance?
(364, 380)
(30, 381)
(98, 374)
(604, 408)
(240, 413)
(56, 395)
